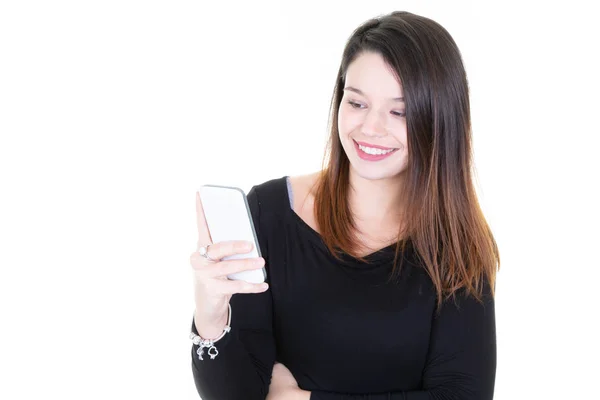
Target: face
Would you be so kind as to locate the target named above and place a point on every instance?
(371, 119)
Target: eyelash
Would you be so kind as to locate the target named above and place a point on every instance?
(397, 114)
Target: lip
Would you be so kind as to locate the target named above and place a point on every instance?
(371, 157)
(374, 146)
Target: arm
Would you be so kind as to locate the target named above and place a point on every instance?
(461, 364)
(242, 369)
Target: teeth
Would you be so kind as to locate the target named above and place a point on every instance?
(373, 151)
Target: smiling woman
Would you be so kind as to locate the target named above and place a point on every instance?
(371, 119)
(381, 266)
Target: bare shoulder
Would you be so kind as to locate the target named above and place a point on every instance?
(303, 196)
(303, 185)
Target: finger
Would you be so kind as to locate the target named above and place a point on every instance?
(224, 287)
(203, 232)
(200, 263)
(229, 267)
(218, 251)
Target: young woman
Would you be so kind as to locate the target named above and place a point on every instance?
(381, 266)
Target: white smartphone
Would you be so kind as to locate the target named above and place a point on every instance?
(228, 217)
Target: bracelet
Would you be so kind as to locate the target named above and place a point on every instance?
(210, 343)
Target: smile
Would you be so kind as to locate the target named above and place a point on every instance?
(372, 153)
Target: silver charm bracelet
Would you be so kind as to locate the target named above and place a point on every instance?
(210, 343)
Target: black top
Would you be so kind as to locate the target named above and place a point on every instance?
(342, 330)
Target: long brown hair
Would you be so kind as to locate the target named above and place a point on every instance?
(443, 222)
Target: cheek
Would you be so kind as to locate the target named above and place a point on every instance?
(347, 121)
(398, 131)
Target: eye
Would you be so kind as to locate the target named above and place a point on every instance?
(399, 113)
(354, 104)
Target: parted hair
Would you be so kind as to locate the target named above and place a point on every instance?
(443, 223)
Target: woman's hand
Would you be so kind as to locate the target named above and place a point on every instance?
(212, 288)
(284, 386)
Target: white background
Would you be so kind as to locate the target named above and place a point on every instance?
(113, 113)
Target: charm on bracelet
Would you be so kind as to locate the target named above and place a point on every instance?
(210, 343)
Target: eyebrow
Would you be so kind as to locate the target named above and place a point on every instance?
(355, 90)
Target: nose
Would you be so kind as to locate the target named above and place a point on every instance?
(374, 124)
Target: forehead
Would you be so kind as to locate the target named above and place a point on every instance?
(370, 73)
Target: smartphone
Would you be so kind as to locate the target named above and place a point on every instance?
(228, 217)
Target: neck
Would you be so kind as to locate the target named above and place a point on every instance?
(376, 202)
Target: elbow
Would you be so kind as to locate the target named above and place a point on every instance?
(226, 387)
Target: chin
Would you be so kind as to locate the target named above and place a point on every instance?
(375, 174)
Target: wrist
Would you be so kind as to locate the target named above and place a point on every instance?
(303, 394)
(210, 328)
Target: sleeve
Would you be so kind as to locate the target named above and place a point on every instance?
(461, 364)
(243, 367)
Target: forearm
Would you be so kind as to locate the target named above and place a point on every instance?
(409, 395)
(234, 373)
(210, 327)
(318, 395)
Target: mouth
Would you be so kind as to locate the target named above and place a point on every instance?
(371, 152)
